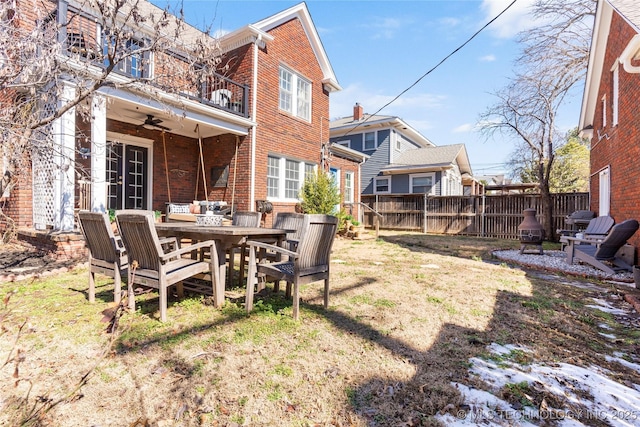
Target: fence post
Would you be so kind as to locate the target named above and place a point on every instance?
(424, 214)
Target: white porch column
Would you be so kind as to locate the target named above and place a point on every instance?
(99, 154)
(64, 135)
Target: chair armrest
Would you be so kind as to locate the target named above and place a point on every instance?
(187, 249)
(278, 249)
(171, 243)
(591, 241)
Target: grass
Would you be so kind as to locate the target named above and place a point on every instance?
(407, 312)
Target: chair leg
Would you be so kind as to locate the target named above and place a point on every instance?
(296, 301)
(92, 286)
(163, 302)
(117, 285)
(180, 289)
(251, 281)
(326, 293)
(287, 292)
(130, 293)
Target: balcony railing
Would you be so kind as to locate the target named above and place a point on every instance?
(79, 39)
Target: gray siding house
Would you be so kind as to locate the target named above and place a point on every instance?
(401, 160)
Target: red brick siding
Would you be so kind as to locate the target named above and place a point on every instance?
(621, 149)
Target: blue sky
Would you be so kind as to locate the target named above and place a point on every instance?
(380, 48)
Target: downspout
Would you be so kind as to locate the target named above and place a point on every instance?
(254, 109)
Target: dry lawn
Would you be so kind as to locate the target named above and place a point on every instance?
(407, 312)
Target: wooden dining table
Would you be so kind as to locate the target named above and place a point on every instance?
(225, 237)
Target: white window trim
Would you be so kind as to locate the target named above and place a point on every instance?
(398, 144)
(345, 143)
(295, 77)
(375, 184)
(282, 163)
(422, 175)
(349, 191)
(614, 95)
(375, 141)
(604, 111)
(604, 193)
(126, 139)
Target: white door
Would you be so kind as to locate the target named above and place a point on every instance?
(605, 192)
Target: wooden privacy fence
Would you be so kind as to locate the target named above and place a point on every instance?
(496, 216)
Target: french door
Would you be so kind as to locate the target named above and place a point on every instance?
(127, 176)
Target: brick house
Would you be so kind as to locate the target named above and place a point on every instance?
(609, 110)
(250, 134)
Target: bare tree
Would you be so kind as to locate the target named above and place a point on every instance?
(553, 61)
(54, 60)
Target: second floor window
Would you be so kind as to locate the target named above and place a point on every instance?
(370, 141)
(295, 94)
(131, 60)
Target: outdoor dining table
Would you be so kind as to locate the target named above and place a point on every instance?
(225, 237)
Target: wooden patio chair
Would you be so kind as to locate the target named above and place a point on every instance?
(604, 254)
(597, 229)
(241, 219)
(107, 254)
(292, 222)
(159, 263)
(308, 263)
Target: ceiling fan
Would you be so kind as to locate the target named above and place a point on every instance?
(151, 123)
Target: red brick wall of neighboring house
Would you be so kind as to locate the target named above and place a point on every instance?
(620, 148)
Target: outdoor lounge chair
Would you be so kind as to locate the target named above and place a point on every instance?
(602, 254)
(597, 229)
(150, 263)
(308, 263)
(107, 254)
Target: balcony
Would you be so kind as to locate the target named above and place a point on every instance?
(171, 72)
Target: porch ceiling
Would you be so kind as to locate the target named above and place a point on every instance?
(182, 121)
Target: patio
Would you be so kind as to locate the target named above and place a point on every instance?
(421, 330)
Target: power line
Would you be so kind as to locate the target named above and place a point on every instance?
(434, 67)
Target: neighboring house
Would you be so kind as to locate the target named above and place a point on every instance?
(262, 127)
(609, 114)
(403, 161)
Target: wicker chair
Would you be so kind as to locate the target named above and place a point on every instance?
(107, 254)
(154, 266)
(309, 263)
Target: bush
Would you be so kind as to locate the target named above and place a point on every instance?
(319, 194)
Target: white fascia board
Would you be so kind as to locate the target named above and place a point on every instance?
(384, 123)
(341, 150)
(301, 12)
(243, 36)
(396, 170)
(599, 38)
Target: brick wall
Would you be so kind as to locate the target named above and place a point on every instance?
(620, 148)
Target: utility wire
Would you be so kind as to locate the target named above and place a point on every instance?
(433, 68)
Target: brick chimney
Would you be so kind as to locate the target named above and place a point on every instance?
(358, 112)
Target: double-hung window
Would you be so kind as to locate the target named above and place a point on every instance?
(273, 177)
(370, 141)
(291, 179)
(295, 94)
(285, 177)
(348, 187)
